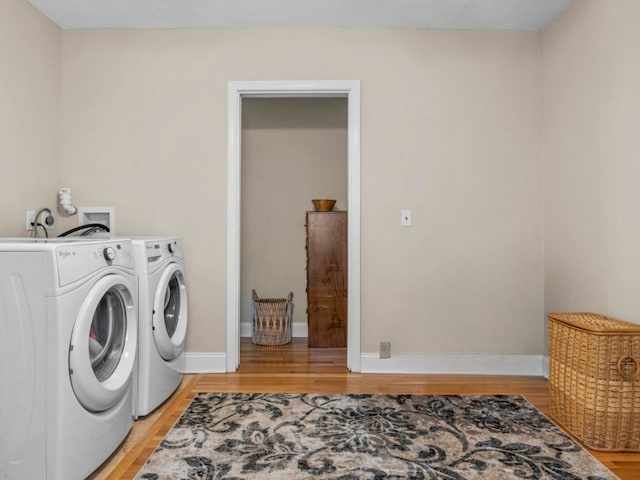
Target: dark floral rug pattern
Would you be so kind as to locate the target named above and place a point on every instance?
(367, 437)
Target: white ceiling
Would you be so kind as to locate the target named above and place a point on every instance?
(432, 14)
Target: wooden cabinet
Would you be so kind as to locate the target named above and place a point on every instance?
(327, 279)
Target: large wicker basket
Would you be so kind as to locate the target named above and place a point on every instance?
(271, 320)
(594, 379)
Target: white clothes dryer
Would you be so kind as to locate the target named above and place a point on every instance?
(162, 320)
(68, 317)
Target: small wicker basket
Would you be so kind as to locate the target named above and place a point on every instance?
(271, 320)
(594, 379)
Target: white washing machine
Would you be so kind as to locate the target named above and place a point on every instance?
(68, 341)
(162, 320)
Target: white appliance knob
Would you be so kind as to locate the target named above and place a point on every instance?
(109, 253)
(172, 249)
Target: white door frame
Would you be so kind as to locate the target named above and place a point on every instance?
(282, 89)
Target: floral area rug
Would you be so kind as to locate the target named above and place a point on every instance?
(356, 437)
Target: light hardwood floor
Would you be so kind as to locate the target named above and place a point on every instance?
(295, 369)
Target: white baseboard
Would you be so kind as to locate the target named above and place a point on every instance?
(533, 365)
(297, 329)
(530, 365)
(197, 362)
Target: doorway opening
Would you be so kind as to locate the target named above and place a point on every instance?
(294, 150)
(238, 91)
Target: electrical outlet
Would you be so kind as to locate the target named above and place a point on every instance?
(31, 216)
(30, 219)
(385, 349)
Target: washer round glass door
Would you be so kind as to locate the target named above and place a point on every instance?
(103, 344)
(170, 313)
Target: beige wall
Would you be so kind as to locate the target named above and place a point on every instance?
(592, 119)
(293, 150)
(29, 109)
(451, 128)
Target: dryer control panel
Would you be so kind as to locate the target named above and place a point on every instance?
(76, 261)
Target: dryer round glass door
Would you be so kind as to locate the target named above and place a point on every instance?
(170, 313)
(103, 344)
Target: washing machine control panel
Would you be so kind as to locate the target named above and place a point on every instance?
(158, 250)
(76, 261)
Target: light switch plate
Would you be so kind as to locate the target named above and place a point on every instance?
(405, 218)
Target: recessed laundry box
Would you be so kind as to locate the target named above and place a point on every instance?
(594, 379)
